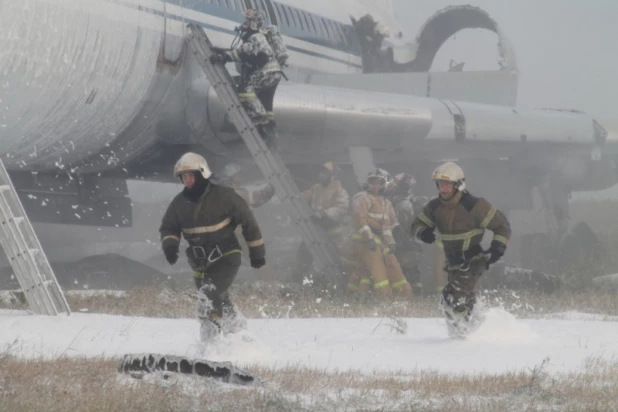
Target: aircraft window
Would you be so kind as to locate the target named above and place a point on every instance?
(274, 19)
(248, 4)
(224, 3)
(283, 12)
(299, 23)
(260, 6)
(341, 31)
(333, 30)
(318, 28)
(303, 16)
(293, 17)
(310, 23)
(327, 29)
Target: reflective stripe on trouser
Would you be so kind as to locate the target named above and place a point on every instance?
(384, 270)
(460, 291)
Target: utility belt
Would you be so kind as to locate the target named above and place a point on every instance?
(202, 256)
(461, 261)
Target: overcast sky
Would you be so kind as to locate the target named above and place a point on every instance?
(566, 49)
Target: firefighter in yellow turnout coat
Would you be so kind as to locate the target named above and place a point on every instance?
(373, 218)
(461, 220)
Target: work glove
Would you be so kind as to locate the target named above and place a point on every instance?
(171, 253)
(258, 262)
(496, 251)
(392, 248)
(372, 245)
(427, 236)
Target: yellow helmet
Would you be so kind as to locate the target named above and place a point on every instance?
(450, 172)
(192, 162)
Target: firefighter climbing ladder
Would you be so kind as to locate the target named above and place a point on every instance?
(270, 164)
(25, 254)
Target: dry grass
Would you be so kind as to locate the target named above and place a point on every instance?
(94, 385)
(269, 300)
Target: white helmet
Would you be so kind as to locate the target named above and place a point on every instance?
(450, 172)
(192, 162)
(381, 174)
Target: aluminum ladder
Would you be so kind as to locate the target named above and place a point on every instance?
(325, 256)
(24, 252)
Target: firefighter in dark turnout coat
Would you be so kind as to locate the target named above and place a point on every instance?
(206, 215)
(461, 220)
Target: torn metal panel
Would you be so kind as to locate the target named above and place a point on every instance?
(444, 24)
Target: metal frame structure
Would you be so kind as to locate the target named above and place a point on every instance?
(25, 254)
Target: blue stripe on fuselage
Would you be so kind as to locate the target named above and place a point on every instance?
(237, 16)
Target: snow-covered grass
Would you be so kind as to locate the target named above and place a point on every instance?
(316, 352)
(93, 385)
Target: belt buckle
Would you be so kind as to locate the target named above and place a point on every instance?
(199, 252)
(219, 254)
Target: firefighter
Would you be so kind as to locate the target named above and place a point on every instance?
(329, 202)
(374, 219)
(206, 215)
(400, 193)
(461, 220)
(260, 74)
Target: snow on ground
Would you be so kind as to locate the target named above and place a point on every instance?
(503, 343)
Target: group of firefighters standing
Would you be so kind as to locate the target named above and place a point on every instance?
(377, 234)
